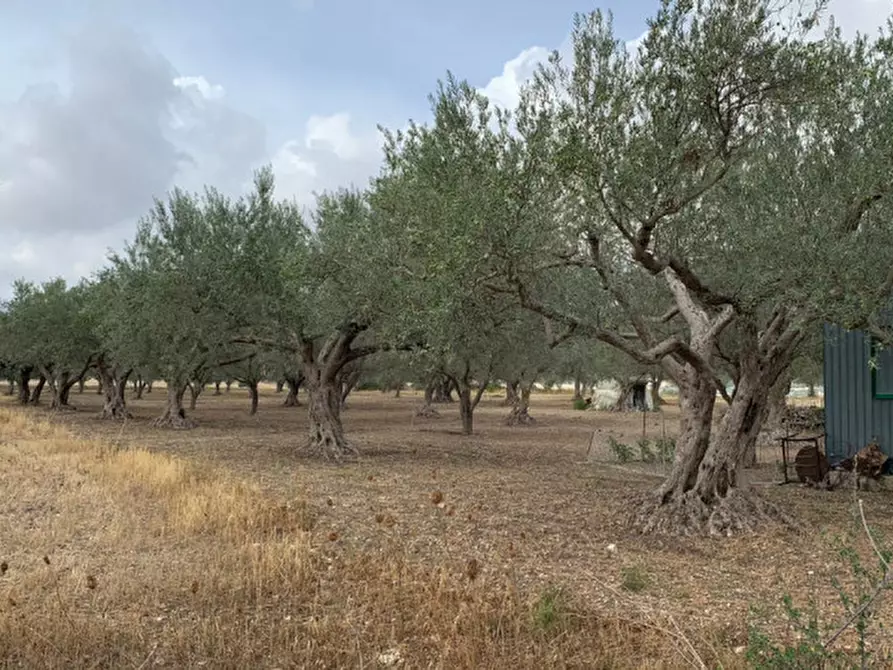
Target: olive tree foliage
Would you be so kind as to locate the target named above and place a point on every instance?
(742, 169)
(178, 288)
(441, 207)
(319, 299)
(47, 329)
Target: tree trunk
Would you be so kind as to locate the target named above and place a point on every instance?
(253, 394)
(60, 385)
(466, 410)
(778, 402)
(82, 382)
(811, 390)
(140, 388)
(578, 389)
(280, 384)
(520, 414)
(195, 390)
(149, 386)
(348, 378)
(702, 492)
(35, 394)
(228, 383)
(468, 402)
(326, 435)
(294, 384)
(511, 394)
(99, 389)
(443, 390)
(114, 405)
(656, 400)
(10, 386)
(174, 415)
(25, 385)
(427, 410)
(773, 417)
(217, 388)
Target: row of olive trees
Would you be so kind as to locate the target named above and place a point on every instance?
(700, 206)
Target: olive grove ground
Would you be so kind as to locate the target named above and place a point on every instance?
(242, 553)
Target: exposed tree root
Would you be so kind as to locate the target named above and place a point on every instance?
(115, 414)
(175, 421)
(427, 412)
(739, 512)
(519, 417)
(332, 450)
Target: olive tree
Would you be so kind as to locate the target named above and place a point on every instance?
(737, 165)
(48, 329)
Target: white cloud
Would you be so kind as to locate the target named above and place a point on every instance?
(80, 163)
(200, 85)
(504, 90)
(330, 155)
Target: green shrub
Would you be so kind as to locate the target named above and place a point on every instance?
(646, 453)
(622, 452)
(666, 449)
(581, 404)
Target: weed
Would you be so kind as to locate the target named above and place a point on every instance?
(666, 449)
(634, 579)
(646, 453)
(549, 610)
(623, 452)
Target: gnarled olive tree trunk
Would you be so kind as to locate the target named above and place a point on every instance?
(322, 365)
(520, 414)
(113, 386)
(174, 416)
(511, 393)
(703, 492)
(427, 410)
(326, 429)
(25, 384)
(294, 384)
(38, 390)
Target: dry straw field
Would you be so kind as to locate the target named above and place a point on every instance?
(124, 546)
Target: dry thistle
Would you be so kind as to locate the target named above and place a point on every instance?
(333, 536)
(437, 497)
(46, 559)
(472, 569)
(4, 566)
(194, 587)
(91, 582)
(379, 518)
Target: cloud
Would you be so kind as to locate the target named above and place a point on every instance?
(331, 154)
(504, 90)
(81, 158)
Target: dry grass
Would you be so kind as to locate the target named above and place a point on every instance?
(127, 558)
(225, 547)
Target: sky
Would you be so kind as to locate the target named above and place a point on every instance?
(105, 104)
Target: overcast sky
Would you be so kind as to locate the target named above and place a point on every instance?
(107, 103)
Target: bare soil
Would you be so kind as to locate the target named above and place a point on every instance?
(545, 504)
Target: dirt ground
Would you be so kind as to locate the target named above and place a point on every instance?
(545, 503)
